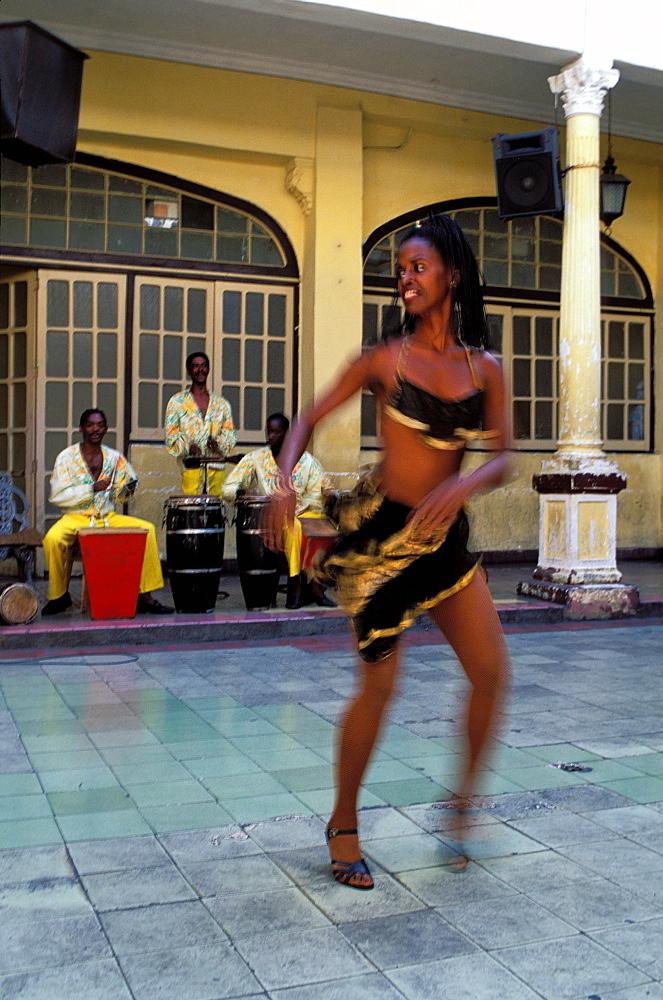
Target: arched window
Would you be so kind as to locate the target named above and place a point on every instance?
(521, 262)
(84, 209)
(114, 274)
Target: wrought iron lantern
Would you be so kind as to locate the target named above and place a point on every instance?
(612, 192)
(612, 186)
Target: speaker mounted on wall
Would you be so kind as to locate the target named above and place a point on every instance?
(528, 174)
(41, 92)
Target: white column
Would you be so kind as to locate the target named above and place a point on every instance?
(578, 486)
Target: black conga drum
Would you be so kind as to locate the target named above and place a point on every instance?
(259, 567)
(195, 534)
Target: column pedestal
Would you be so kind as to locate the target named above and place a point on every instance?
(577, 540)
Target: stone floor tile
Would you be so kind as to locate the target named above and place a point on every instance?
(466, 977)
(558, 828)
(593, 905)
(137, 887)
(246, 914)
(167, 819)
(529, 871)
(145, 929)
(26, 945)
(406, 939)
(407, 793)
(263, 807)
(439, 886)
(20, 784)
(191, 847)
(33, 863)
(648, 788)
(78, 779)
(100, 980)
(96, 857)
(614, 858)
(29, 832)
(17, 807)
(289, 833)
(295, 956)
(168, 793)
(44, 898)
(91, 800)
(370, 987)
(501, 923)
(198, 973)
(237, 875)
(103, 825)
(640, 944)
(402, 854)
(250, 786)
(570, 967)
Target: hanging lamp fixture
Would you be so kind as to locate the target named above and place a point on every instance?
(612, 186)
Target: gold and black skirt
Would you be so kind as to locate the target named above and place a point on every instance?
(385, 574)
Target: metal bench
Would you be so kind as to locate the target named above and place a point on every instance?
(17, 539)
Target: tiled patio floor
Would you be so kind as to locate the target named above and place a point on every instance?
(162, 814)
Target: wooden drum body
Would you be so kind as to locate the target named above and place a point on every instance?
(259, 567)
(195, 535)
(19, 604)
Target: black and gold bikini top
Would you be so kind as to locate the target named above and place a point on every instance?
(445, 424)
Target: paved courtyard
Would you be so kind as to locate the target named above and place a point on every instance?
(162, 814)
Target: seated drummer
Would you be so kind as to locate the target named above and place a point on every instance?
(258, 471)
(88, 479)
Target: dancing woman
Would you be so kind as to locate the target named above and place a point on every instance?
(404, 544)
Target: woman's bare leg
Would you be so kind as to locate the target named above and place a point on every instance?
(359, 732)
(472, 627)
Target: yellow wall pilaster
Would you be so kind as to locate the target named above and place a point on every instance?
(331, 315)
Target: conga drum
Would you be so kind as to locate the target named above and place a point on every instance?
(259, 567)
(19, 604)
(195, 535)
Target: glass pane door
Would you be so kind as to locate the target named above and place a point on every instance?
(80, 338)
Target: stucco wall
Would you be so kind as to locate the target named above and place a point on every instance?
(239, 133)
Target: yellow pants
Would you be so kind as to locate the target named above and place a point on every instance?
(63, 534)
(292, 543)
(193, 481)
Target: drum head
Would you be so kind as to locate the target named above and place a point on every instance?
(19, 604)
(193, 500)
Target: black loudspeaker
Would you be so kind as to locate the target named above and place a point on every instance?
(41, 92)
(528, 174)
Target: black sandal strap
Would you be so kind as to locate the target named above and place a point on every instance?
(333, 831)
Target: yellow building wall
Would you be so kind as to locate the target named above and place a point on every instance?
(361, 159)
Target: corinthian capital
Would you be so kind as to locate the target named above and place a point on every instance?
(583, 88)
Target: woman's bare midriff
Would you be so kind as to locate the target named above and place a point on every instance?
(410, 469)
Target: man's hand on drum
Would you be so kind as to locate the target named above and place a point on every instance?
(213, 445)
(101, 485)
(279, 511)
(194, 449)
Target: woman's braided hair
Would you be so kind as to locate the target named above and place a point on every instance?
(469, 313)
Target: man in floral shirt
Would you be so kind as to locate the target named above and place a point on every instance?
(87, 481)
(199, 424)
(259, 472)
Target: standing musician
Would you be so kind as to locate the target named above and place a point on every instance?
(259, 471)
(88, 479)
(199, 424)
(404, 549)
